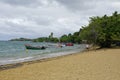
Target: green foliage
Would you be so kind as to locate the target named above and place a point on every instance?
(102, 30)
(21, 39)
(75, 38)
(46, 39)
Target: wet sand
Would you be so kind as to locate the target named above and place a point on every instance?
(90, 65)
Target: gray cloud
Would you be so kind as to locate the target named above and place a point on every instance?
(91, 7)
(77, 4)
(22, 3)
(41, 20)
(36, 18)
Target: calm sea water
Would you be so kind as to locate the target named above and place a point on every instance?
(14, 51)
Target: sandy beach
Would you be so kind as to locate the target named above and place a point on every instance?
(90, 65)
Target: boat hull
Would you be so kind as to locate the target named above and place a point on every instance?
(34, 48)
(69, 44)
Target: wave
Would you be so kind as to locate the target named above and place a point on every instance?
(9, 61)
(21, 59)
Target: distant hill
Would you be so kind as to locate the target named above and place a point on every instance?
(21, 39)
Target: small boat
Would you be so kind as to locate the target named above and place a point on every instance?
(61, 45)
(69, 44)
(35, 47)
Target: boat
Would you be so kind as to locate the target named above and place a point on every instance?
(69, 44)
(34, 47)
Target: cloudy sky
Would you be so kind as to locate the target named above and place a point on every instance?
(38, 18)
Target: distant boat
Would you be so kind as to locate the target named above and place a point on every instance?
(35, 47)
(69, 44)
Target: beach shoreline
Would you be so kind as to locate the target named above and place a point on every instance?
(19, 64)
(86, 65)
(20, 54)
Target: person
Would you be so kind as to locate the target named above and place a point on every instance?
(87, 46)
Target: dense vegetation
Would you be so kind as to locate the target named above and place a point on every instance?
(21, 39)
(75, 38)
(103, 31)
(46, 39)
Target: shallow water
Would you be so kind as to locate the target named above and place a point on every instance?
(14, 51)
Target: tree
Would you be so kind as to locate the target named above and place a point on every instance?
(64, 38)
(102, 30)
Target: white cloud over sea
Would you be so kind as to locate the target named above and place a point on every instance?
(38, 18)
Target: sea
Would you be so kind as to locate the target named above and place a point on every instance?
(15, 52)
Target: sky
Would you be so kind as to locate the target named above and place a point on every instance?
(38, 18)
